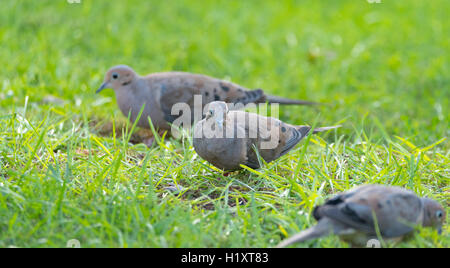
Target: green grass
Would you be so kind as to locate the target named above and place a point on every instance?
(382, 68)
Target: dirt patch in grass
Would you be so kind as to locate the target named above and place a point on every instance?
(119, 128)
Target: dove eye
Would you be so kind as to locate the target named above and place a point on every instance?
(115, 75)
(439, 214)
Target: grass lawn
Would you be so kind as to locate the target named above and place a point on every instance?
(67, 170)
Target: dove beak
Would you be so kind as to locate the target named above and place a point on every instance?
(209, 114)
(103, 86)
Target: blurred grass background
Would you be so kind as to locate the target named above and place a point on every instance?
(383, 70)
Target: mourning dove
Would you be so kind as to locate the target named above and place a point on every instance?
(160, 91)
(228, 139)
(351, 215)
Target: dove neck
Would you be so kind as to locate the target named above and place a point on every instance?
(128, 98)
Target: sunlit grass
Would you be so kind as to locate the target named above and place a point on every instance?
(382, 69)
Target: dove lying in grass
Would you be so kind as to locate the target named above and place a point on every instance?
(356, 215)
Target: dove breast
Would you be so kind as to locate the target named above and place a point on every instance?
(224, 153)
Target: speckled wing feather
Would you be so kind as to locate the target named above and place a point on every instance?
(271, 137)
(179, 87)
(176, 87)
(285, 135)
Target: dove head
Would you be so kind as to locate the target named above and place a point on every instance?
(118, 77)
(434, 215)
(218, 111)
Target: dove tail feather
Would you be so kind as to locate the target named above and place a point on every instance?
(322, 129)
(322, 228)
(304, 130)
(286, 101)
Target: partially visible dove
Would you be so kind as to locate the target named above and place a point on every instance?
(355, 215)
(228, 139)
(160, 91)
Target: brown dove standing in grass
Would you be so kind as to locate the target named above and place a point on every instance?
(350, 215)
(228, 139)
(160, 91)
